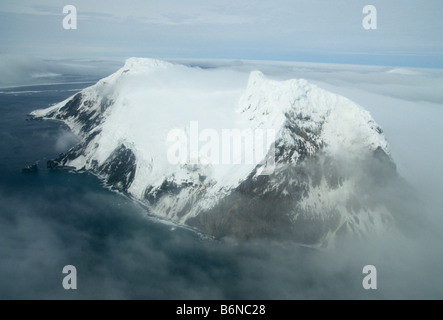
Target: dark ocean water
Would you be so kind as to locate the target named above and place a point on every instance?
(50, 219)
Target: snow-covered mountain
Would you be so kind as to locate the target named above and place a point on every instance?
(318, 175)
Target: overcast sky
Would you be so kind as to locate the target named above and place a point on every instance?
(409, 32)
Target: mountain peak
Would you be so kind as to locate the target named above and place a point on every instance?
(340, 124)
(144, 63)
(126, 121)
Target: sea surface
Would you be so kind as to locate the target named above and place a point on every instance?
(53, 218)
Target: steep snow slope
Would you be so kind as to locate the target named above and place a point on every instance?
(322, 161)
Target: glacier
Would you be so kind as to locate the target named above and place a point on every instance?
(332, 161)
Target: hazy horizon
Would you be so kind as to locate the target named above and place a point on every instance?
(408, 33)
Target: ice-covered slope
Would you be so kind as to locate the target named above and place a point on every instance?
(321, 165)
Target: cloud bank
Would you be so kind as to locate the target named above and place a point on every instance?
(408, 32)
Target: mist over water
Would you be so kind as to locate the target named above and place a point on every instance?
(50, 219)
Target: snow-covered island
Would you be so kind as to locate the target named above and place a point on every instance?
(325, 168)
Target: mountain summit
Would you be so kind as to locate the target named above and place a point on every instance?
(230, 153)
